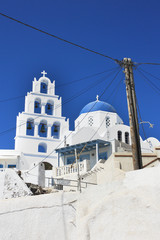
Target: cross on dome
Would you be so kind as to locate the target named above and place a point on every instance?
(97, 98)
(44, 73)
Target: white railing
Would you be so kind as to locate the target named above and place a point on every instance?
(71, 168)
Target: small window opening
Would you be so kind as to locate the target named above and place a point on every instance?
(127, 137)
(42, 147)
(120, 136)
(90, 121)
(107, 122)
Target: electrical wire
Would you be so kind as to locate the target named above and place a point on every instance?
(57, 37)
(84, 78)
(157, 64)
(77, 124)
(68, 100)
(61, 85)
(116, 89)
(154, 87)
(139, 113)
(149, 74)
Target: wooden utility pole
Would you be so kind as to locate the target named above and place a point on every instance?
(132, 110)
(78, 175)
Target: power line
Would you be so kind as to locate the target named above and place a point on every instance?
(78, 123)
(60, 85)
(116, 89)
(149, 74)
(154, 87)
(57, 37)
(140, 118)
(84, 78)
(158, 64)
(68, 100)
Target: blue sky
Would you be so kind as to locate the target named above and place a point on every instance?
(116, 28)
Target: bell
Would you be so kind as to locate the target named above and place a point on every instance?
(36, 104)
(29, 126)
(44, 86)
(43, 130)
(49, 106)
(55, 129)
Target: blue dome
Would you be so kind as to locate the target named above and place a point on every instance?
(98, 106)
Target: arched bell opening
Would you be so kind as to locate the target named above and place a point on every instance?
(56, 130)
(30, 127)
(44, 87)
(47, 166)
(42, 129)
(49, 108)
(37, 106)
(42, 147)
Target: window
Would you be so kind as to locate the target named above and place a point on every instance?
(30, 127)
(127, 137)
(90, 121)
(49, 109)
(103, 155)
(119, 136)
(1, 165)
(42, 147)
(107, 122)
(42, 129)
(56, 130)
(11, 166)
(43, 87)
(37, 106)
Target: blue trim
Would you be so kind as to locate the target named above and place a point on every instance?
(88, 146)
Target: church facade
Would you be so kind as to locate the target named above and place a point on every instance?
(43, 135)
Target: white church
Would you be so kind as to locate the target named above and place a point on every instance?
(43, 138)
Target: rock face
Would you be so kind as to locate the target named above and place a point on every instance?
(126, 209)
(11, 185)
(44, 217)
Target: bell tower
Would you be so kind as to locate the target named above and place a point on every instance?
(41, 127)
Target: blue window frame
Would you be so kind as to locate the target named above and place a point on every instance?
(1, 165)
(103, 155)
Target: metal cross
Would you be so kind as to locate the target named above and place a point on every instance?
(44, 73)
(97, 98)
